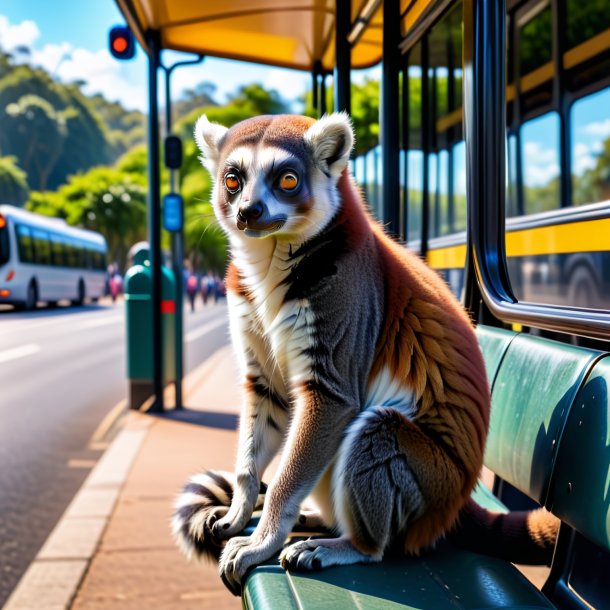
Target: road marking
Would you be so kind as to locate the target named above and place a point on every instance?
(205, 329)
(19, 352)
(108, 422)
(103, 322)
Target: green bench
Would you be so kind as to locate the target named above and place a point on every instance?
(550, 439)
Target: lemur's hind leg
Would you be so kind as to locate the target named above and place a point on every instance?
(391, 483)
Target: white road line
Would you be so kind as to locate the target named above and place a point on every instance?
(206, 328)
(103, 322)
(19, 352)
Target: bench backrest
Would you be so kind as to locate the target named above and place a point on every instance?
(532, 394)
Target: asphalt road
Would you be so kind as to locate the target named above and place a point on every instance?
(62, 372)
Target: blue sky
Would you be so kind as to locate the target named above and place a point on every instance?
(69, 38)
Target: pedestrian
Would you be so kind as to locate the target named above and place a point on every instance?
(191, 289)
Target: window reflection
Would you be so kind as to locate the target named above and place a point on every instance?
(459, 186)
(540, 163)
(591, 148)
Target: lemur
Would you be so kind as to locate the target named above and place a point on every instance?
(357, 361)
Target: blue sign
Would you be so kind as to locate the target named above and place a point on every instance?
(172, 212)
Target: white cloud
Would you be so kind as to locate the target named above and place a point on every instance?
(540, 163)
(600, 129)
(582, 159)
(99, 70)
(20, 34)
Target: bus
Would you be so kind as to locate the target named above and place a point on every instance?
(45, 259)
(557, 211)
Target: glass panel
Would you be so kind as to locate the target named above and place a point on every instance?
(459, 186)
(25, 244)
(57, 251)
(415, 193)
(445, 226)
(586, 19)
(536, 45)
(590, 127)
(512, 205)
(540, 163)
(42, 247)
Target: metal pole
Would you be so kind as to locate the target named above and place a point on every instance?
(390, 120)
(322, 93)
(154, 215)
(314, 87)
(177, 256)
(177, 241)
(484, 131)
(343, 56)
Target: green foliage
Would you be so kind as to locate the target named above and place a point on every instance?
(365, 115)
(13, 184)
(94, 131)
(36, 134)
(594, 184)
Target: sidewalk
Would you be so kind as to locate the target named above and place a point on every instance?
(113, 549)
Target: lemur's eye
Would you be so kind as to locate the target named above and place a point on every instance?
(232, 183)
(288, 181)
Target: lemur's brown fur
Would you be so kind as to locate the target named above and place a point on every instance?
(357, 361)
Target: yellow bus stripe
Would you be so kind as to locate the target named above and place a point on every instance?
(586, 236)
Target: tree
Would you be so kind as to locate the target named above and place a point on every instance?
(13, 184)
(35, 134)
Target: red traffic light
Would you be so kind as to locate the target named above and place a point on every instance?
(122, 44)
(119, 45)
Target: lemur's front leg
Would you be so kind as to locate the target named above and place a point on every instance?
(263, 421)
(314, 437)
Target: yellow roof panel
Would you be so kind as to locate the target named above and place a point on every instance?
(278, 32)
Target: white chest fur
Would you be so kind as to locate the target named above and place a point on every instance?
(287, 325)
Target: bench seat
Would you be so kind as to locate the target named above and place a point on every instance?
(447, 577)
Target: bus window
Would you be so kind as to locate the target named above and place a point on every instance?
(412, 107)
(57, 251)
(25, 244)
(586, 20)
(42, 247)
(459, 186)
(535, 44)
(512, 205)
(540, 163)
(5, 252)
(590, 135)
(535, 57)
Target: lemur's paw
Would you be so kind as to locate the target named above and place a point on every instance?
(234, 562)
(319, 553)
(201, 504)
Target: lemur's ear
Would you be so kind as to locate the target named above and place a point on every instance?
(331, 139)
(208, 136)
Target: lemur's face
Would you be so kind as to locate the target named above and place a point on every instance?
(275, 175)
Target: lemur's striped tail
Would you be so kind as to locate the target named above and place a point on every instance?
(205, 499)
(526, 537)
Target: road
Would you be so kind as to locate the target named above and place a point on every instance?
(62, 373)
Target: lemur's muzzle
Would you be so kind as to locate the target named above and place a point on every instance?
(247, 215)
(255, 217)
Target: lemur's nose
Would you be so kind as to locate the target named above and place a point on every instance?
(250, 212)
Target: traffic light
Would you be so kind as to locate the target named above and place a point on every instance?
(122, 43)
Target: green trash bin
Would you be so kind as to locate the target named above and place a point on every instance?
(139, 321)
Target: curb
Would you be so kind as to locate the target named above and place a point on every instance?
(54, 576)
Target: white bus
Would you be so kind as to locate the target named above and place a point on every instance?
(45, 259)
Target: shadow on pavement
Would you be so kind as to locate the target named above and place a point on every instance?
(211, 419)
